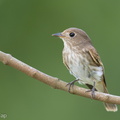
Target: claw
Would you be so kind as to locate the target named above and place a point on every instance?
(71, 84)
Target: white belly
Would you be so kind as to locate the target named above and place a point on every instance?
(80, 68)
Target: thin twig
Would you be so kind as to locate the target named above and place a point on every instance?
(54, 82)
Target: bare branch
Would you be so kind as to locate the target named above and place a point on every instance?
(54, 82)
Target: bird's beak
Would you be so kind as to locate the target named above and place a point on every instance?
(58, 35)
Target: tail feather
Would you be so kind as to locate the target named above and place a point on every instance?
(108, 106)
(101, 87)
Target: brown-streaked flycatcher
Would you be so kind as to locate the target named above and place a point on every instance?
(83, 62)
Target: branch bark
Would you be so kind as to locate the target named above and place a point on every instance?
(54, 82)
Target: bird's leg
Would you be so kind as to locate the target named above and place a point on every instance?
(92, 90)
(71, 84)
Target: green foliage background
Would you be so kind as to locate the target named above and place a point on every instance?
(25, 32)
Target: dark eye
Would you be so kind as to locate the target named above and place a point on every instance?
(72, 34)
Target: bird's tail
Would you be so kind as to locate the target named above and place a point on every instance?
(110, 107)
(101, 87)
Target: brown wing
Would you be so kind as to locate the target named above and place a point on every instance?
(96, 59)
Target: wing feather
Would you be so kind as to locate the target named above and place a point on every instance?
(96, 59)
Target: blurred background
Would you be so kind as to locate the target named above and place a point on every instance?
(25, 32)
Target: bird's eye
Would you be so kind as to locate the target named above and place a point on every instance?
(72, 34)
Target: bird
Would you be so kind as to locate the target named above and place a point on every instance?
(83, 62)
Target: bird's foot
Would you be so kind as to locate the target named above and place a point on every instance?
(92, 91)
(71, 84)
